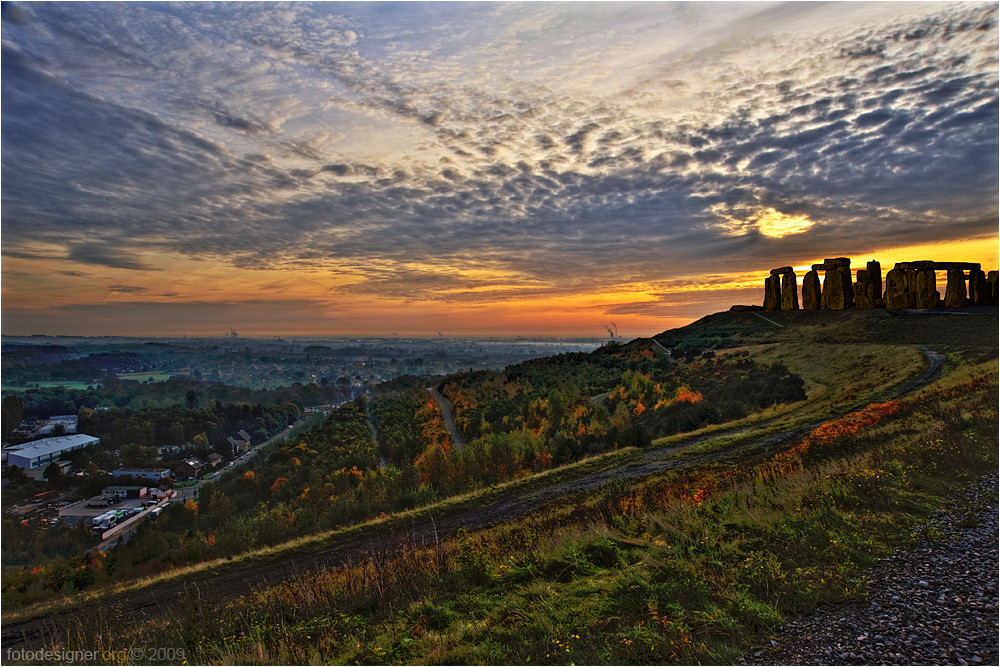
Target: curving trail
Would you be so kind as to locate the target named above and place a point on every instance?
(159, 599)
(449, 421)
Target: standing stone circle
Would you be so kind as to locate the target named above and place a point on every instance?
(907, 285)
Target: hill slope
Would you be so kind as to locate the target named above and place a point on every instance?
(837, 358)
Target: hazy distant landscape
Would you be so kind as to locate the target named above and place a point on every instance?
(259, 363)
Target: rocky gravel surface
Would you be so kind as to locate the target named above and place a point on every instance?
(934, 604)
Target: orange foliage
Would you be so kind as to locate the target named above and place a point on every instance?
(248, 475)
(685, 395)
(544, 461)
(191, 506)
(278, 484)
(852, 424)
(639, 409)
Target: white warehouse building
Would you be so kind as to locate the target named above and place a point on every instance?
(40, 453)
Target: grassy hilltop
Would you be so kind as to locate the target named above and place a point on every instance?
(618, 507)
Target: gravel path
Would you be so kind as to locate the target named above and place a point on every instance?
(934, 604)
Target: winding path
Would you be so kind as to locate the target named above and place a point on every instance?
(449, 421)
(228, 580)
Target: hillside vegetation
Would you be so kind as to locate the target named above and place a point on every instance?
(734, 487)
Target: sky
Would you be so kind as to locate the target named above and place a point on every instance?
(477, 168)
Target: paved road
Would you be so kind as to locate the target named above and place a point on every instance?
(192, 491)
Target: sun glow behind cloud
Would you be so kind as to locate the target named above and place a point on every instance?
(774, 224)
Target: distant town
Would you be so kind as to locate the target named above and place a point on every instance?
(76, 463)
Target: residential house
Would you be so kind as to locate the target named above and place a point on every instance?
(189, 468)
(240, 441)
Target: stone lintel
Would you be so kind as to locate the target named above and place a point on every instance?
(783, 269)
(832, 263)
(939, 266)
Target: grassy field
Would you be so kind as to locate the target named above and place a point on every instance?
(148, 376)
(159, 376)
(48, 383)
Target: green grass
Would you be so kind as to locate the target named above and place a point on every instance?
(68, 384)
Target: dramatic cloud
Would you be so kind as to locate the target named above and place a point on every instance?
(485, 152)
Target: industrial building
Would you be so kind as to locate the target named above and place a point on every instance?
(40, 453)
(124, 491)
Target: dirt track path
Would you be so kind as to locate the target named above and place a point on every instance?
(449, 421)
(158, 599)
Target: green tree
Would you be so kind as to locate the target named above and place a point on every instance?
(11, 413)
(53, 474)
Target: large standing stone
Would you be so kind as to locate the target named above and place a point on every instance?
(772, 292)
(848, 280)
(789, 291)
(911, 281)
(875, 276)
(838, 290)
(978, 294)
(992, 283)
(927, 295)
(864, 291)
(897, 290)
(811, 295)
(954, 291)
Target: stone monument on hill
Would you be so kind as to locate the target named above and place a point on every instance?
(907, 285)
